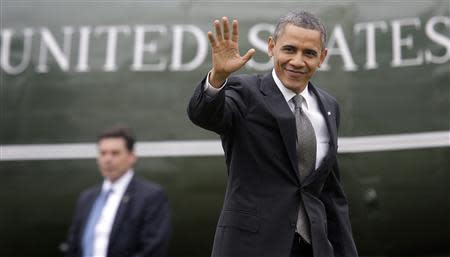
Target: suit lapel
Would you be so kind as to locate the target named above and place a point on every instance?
(286, 121)
(122, 211)
(329, 113)
(88, 205)
(284, 116)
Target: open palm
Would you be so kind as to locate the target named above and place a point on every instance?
(225, 52)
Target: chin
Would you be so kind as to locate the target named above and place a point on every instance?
(108, 175)
(112, 178)
(292, 87)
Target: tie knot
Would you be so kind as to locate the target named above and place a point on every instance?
(107, 192)
(298, 100)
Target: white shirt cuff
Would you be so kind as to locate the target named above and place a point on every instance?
(209, 89)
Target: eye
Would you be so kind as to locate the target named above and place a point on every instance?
(311, 53)
(288, 49)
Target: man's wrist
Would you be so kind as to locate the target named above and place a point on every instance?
(217, 80)
(209, 89)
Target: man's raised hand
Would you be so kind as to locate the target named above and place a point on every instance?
(225, 52)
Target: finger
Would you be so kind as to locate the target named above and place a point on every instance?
(248, 55)
(218, 30)
(212, 40)
(226, 29)
(235, 35)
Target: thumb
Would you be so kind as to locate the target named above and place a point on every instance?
(248, 55)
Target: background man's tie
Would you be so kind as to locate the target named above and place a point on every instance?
(89, 231)
(306, 153)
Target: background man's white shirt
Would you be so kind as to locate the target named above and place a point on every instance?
(106, 220)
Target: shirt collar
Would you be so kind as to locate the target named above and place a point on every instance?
(288, 94)
(120, 185)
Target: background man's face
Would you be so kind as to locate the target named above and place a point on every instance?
(114, 158)
(297, 54)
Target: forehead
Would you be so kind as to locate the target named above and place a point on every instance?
(112, 143)
(294, 35)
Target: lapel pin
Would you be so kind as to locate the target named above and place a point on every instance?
(125, 199)
(329, 113)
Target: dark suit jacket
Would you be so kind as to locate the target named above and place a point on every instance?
(263, 193)
(141, 226)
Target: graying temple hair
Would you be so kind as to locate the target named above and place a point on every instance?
(301, 19)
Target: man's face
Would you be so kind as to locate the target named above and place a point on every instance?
(114, 158)
(297, 54)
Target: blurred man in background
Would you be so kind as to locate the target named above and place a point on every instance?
(124, 215)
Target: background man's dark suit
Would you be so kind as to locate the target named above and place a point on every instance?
(260, 209)
(141, 226)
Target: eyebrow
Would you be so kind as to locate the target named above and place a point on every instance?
(288, 46)
(307, 49)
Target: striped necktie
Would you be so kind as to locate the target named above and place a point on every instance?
(306, 153)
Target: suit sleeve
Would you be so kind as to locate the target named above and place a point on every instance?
(336, 206)
(217, 112)
(155, 235)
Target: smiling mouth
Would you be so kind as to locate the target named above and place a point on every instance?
(296, 72)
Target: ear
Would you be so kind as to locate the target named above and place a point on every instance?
(270, 46)
(323, 55)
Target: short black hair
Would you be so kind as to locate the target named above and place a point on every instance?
(301, 19)
(119, 131)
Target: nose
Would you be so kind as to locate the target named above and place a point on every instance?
(107, 158)
(298, 61)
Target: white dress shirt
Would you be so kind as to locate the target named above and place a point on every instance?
(310, 106)
(106, 219)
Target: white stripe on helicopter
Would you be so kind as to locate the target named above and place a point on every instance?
(190, 148)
